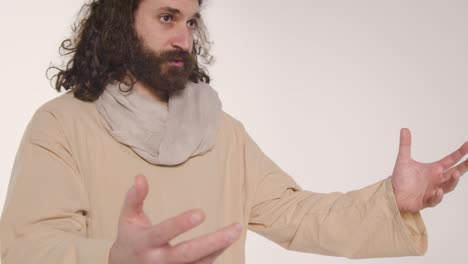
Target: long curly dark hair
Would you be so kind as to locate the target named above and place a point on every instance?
(101, 48)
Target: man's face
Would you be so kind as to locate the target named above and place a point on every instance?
(165, 28)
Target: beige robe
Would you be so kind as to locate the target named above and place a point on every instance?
(70, 178)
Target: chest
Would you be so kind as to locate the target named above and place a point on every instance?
(212, 182)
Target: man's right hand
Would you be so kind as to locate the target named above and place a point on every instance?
(139, 241)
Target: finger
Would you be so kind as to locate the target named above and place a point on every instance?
(462, 168)
(133, 204)
(405, 144)
(167, 230)
(456, 171)
(201, 247)
(454, 157)
(210, 259)
(436, 198)
(451, 183)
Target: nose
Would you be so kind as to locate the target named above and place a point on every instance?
(182, 39)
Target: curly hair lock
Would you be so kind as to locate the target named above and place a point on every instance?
(101, 46)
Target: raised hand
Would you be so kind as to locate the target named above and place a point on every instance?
(419, 185)
(139, 241)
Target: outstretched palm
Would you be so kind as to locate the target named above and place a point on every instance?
(419, 185)
(139, 241)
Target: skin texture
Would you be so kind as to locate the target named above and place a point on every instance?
(161, 31)
(418, 185)
(139, 241)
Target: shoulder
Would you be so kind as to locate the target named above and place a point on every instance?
(231, 123)
(231, 132)
(67, 104)
(60, 116)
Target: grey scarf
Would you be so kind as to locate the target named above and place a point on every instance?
(162, 135)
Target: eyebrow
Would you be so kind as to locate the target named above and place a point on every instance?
(175, 11)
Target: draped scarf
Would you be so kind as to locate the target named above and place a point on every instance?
(162, 134)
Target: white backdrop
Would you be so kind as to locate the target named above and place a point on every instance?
(322, 86)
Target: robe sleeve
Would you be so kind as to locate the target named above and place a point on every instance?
(365, 223)
(46, 212)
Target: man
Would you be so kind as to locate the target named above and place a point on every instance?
(144, 109)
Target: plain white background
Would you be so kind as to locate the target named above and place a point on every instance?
(322, 86)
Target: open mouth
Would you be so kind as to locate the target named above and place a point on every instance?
(178, 63)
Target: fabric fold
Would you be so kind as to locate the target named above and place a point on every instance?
(159, 133)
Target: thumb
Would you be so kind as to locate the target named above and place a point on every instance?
(405, 144)
(133, 204)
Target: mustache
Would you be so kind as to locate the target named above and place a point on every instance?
(170, 55)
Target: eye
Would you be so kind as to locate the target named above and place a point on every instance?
(165, 18)
(192, 24)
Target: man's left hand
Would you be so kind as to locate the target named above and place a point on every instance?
(419, 185)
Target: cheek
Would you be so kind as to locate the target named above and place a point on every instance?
(155, 42)
(151, 34)
(191, 48)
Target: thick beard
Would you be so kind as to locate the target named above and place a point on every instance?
(153, 70)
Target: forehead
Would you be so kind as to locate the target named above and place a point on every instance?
(186, 7)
